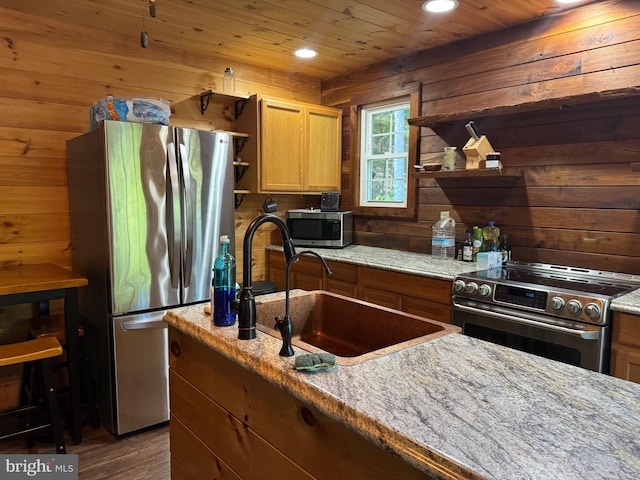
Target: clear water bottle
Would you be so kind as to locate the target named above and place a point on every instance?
(224, 286)
(490, 237)
(443, 237)
(228, 81)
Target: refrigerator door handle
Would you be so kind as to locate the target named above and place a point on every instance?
(128, 326)
(173, 211)
(188, 215)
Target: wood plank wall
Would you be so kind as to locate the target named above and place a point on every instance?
(51, 73)
(577, 202)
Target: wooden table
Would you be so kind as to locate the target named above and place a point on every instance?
(41, 283)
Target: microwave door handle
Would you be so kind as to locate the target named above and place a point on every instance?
(584, 334)
(173, 211)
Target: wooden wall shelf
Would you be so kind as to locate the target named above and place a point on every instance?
(470, 173)
(556, 104)
(239, 99)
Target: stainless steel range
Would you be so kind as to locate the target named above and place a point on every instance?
(553, 311)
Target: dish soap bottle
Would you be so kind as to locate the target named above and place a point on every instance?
(224, 286)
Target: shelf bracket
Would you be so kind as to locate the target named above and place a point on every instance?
(239, 198)
(240, 143)
(240, 171)
(239, 106)
(205, 98)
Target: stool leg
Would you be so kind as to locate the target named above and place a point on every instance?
(54, 408)
(88, 387)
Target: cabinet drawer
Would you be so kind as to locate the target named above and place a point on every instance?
(407, 284)
(347, 289)
(427, 309)
(344, 272)
(380, 297)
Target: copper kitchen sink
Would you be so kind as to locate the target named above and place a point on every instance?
(351, 329)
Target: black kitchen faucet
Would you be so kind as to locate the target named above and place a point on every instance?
(247, 303)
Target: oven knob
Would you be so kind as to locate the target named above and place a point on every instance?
(557, 303)
(458, 286)
(574, 307)
(592, 310)
(484, 290)
(471, 287)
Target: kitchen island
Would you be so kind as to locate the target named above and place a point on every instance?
(454, 407)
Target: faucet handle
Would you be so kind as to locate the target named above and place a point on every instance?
(286, 330)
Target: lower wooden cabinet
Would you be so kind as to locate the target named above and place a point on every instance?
(625, 347)
(423, 296)
(228, 423)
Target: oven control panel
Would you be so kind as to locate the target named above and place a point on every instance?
(521, 296)
(565, 305)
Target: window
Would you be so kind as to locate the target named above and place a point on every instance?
(384, 154)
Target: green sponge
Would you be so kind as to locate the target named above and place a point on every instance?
(314, 362)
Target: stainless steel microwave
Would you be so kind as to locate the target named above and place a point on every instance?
(315, 228)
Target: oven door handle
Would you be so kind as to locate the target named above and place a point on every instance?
(584, 334)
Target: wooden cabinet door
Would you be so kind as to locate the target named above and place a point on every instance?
(626, 363)
(625, 348)
(283, 148)
(323, 149)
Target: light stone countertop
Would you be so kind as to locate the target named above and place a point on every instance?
(477, 409)
(426, 265)
(629, 303)
(393, 260)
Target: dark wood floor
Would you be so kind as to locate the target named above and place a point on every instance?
(143, 456)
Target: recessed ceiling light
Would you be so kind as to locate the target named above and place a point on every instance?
(305, 53)
(439, 6)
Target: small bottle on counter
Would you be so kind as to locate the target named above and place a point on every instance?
(467, 246)
(505, 249)
(477, 242)
(224, 286)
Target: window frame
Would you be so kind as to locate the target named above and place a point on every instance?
(413, 91)
(366, 125)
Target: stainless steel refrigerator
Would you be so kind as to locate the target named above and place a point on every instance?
(148, 204)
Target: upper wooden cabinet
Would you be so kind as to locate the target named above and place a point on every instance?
(297, 147)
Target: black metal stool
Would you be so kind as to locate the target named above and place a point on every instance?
(34, 353)
(52, 325)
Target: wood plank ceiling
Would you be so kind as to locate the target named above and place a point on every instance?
(348, 34)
